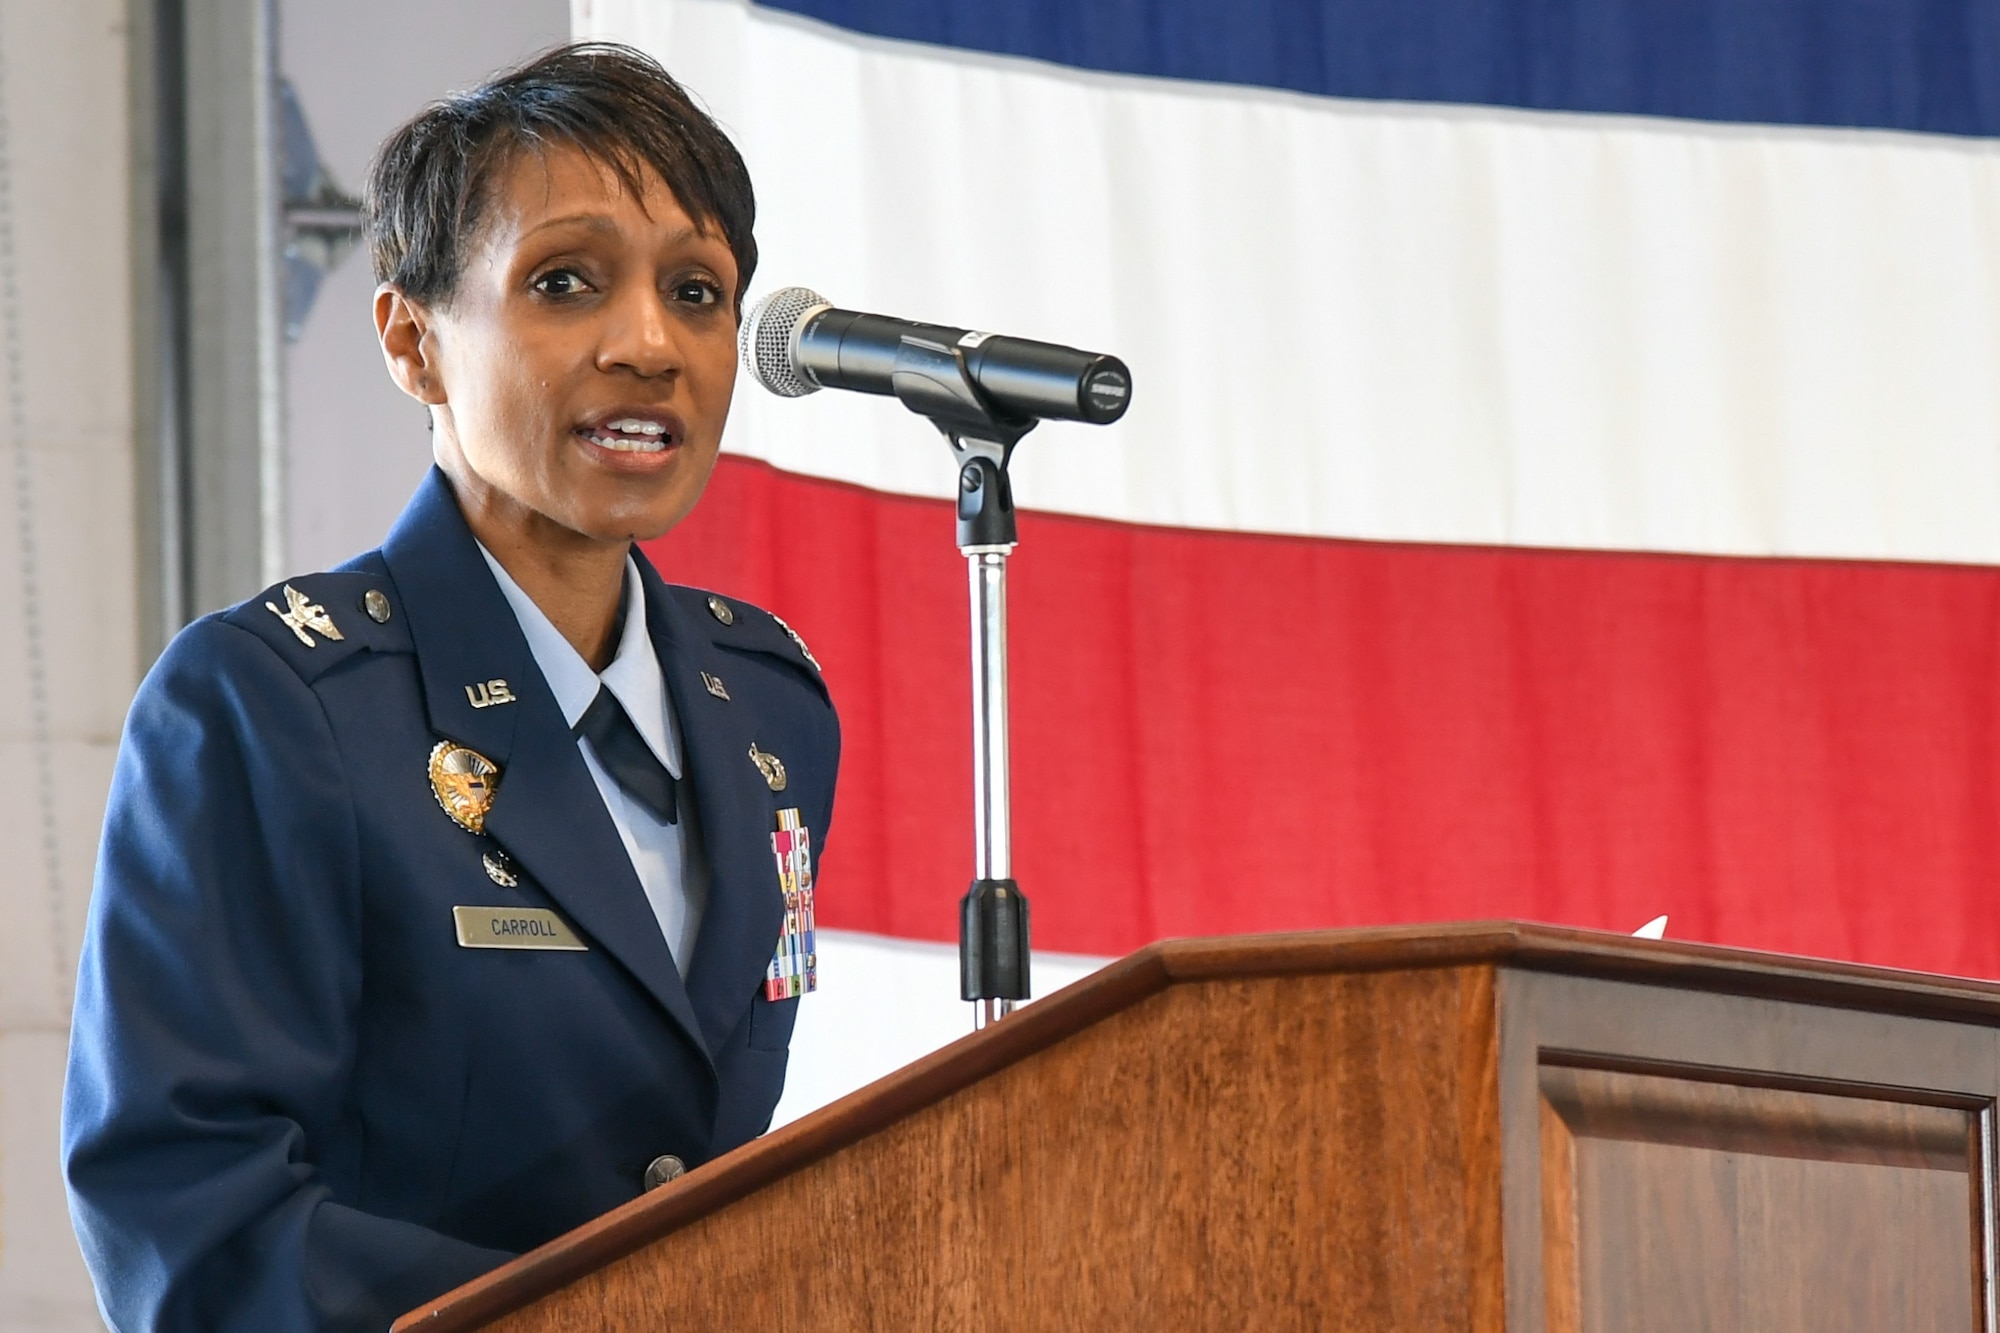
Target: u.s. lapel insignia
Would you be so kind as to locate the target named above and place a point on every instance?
(486, 693)
(715, 685)
(804, 651)
(772, 767)
(464, 782)
(302, 614)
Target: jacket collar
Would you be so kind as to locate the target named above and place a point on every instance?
(546, 810)
(737, 814)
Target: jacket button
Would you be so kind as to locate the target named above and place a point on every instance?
(663, 1168)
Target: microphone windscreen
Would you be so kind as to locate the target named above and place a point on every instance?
(769, 340)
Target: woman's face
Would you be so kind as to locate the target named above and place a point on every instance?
(581, 372)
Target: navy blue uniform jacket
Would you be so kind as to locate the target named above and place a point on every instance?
(294, 1101)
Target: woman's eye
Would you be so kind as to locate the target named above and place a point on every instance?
(697, 292)
(561, 282)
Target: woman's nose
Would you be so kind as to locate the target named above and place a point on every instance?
(641, 336)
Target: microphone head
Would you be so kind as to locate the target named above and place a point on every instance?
(769, 340)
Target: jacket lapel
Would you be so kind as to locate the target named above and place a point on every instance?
(546, 810)
(737, 812)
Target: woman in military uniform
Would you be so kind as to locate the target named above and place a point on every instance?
(439, 906)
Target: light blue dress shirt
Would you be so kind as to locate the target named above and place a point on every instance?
(665, 856)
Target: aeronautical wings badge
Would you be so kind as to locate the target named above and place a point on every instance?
(302, 614)
(464, 782)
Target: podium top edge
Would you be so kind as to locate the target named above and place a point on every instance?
(1595, 953)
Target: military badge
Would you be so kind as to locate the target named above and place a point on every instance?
(500, 869)
(464, 782)
(804, 651)
(302, 614)
(772, 767)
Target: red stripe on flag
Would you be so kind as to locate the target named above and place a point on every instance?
(1219, 732)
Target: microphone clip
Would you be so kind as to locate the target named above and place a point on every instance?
(933, 381)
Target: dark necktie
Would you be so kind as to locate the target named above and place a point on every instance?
(624, 754)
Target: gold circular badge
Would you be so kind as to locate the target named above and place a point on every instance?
(464, 782)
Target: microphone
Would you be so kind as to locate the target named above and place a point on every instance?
(794, 342)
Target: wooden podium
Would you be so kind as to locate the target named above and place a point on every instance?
(1478, 1127)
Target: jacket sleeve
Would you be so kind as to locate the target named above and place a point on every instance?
(214, 1033)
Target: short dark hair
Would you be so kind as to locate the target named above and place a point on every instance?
(431, 180)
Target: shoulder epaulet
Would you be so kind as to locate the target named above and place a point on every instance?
(316, 621)
(740, 625)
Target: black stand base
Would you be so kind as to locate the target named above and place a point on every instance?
(993, 941)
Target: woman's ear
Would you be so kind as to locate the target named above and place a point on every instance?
(409, 347)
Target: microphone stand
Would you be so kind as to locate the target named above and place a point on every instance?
(931, 380)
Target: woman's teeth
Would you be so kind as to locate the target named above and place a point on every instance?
(629, 435)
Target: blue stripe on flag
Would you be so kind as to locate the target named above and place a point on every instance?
(1930, 65)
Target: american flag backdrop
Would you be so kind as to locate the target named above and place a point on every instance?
(1563, 478)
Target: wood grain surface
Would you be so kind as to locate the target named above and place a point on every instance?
(1315, 1153)
(1700, 1204)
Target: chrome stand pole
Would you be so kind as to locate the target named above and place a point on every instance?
(992, 820)
(993, 916)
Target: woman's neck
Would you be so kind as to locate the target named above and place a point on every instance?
(578, 582)
(580, 591)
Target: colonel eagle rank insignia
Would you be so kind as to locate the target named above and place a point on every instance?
(302, 614)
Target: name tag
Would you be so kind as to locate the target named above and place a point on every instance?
(514, 928)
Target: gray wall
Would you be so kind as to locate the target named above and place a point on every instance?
(68, 584)
(356, 447)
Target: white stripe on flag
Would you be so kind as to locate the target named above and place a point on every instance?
(1386, 321)
(882, 1003)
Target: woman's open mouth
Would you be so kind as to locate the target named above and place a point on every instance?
(630, 435)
